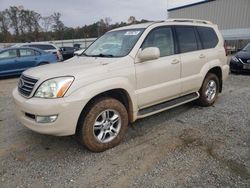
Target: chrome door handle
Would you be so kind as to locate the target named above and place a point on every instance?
(202, 56)
(175, 61)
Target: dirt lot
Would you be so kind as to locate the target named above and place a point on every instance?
(188, 146)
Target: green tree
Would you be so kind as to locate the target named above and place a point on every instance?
(58, 25)
(131, 20)
(46, 23)
(13, 13)
(4, 26)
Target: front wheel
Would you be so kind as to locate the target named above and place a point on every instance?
(104, 125)
(209, 90)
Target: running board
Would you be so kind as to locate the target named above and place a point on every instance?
(167, 105)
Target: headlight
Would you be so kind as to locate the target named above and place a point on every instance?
(54, 88)
(235, 59)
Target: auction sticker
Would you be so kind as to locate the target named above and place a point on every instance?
(132, 32)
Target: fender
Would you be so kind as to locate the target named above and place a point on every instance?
(87, 92)
(207, 67)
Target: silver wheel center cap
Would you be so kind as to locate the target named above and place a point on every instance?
(107, 125)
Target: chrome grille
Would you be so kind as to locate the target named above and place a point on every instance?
(26, 85)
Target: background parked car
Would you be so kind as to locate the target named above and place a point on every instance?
(13, 61)
(67, 52)
(77, 46)
(240, 62)
(79, 52)
(48, 47)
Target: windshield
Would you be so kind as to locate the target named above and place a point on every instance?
(247, 47)
(114, 43)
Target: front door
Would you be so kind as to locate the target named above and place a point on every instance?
(158, 80)
(9, 62)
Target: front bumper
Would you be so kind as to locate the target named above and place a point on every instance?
(67, 109)
(238, 67)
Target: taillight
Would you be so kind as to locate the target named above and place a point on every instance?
(225, 47)
(56, 54)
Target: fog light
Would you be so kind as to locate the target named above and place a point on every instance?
(46, 119)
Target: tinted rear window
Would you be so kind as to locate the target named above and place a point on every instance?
(43, 46)
(208, 37)
(187, 38)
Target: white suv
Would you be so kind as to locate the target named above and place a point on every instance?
(144, 69)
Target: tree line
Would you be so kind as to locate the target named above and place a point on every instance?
(22, 25)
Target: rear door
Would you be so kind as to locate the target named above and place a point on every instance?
(192, 58)
(27, 58)
(209, 41)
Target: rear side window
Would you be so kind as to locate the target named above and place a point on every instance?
(43, 46)
(186, 38)
(162, 38)
(26, 52)
(37, 53)
(208, 37)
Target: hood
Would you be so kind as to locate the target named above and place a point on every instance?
(243, 54)
(78, 66)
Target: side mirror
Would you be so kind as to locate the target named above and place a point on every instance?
(149, 53)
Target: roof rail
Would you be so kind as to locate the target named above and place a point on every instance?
(189, 20)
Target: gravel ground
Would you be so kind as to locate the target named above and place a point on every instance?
(188, 146)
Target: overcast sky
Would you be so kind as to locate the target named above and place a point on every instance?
(80, 12)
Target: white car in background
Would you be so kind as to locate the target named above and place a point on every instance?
(48, 47)
(79, 52)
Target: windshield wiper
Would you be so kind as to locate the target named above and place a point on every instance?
(102, 55)
(84, 54)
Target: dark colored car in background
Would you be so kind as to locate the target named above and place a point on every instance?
(240, 62)
(67, 52)
(77, 46)
(13, 61)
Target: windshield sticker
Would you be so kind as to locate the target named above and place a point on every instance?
(132, 32)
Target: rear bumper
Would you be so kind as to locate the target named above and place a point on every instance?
(225, 72)
(68, 111)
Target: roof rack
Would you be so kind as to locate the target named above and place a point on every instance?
(189, 20)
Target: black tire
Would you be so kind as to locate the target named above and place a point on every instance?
(86, 134)
(234, 71)
(204, 100)
(43, 63)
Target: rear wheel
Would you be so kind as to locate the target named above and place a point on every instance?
(104, 125)
(43, 63)
(209, 90)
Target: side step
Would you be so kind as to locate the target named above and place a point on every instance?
(167, 105)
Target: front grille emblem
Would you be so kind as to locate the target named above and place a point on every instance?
(20, 83)
(26, 85)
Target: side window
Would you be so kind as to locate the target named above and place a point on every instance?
(26, 52)
(37, 53)
(162, 38)
(208, 37)
(35, 46)
(8, 54)
(187, 38)
(43, 46)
